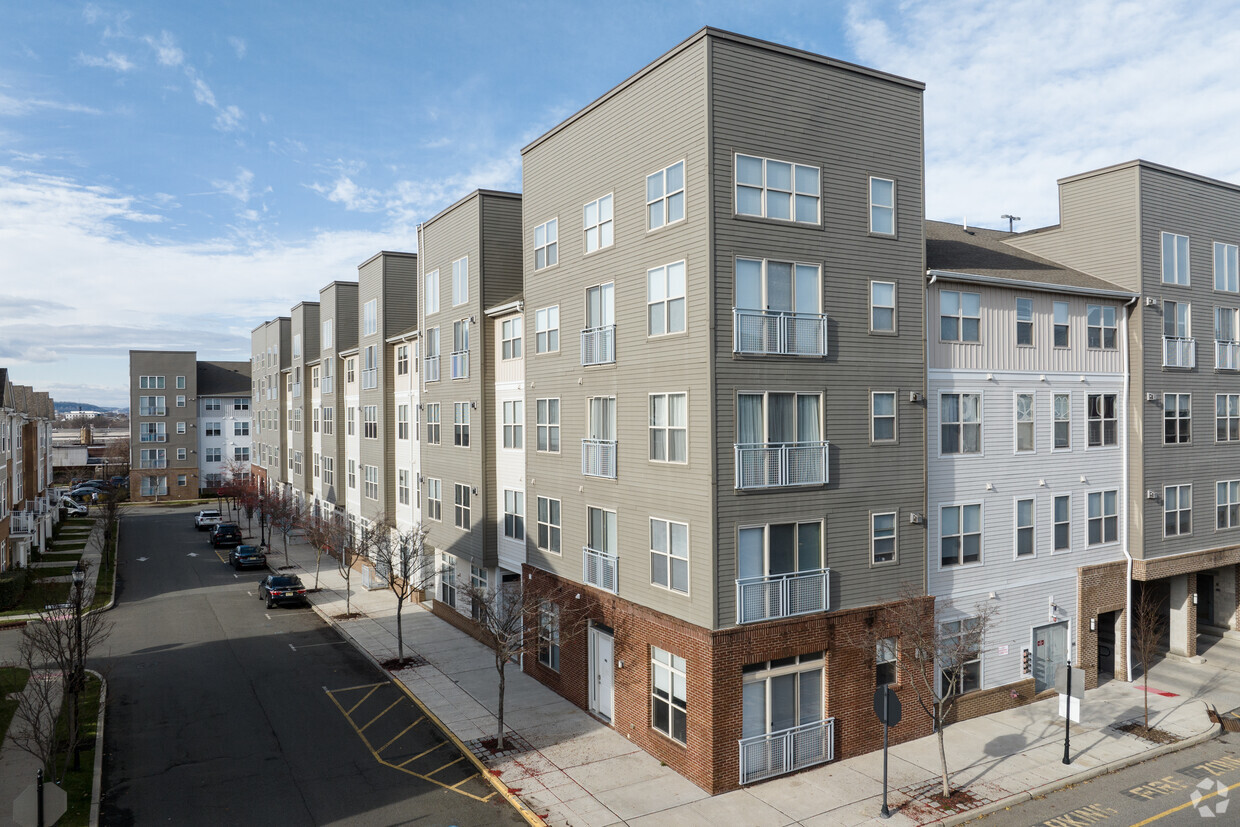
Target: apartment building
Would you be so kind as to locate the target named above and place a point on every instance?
(407, 445)
(27, 512)
(338, 317)
(225, 422)
(270, 346)
(300, 415)
(1172, 238)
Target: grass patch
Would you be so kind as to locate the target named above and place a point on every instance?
(61, 557)
(12, 680)
(79, 784)
(105, 581)
(67, 545)
(52, 571)
(86, 521)
(39, 595)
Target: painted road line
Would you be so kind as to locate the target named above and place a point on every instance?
(312, 645)
(402, 732)
(1214, 768)
(458, 760)
(353, 708)
(423, 752)
(1167, 785)
(381, 714)
(1183, 806)
(1081, 817)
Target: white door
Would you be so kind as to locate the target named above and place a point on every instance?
(602, 676)
(1050, 651)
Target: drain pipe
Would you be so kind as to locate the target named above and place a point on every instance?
(1128, 502)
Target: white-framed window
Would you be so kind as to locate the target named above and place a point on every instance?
(514, 427)
(461, 502)
(960, 423)
(402, 360)
(212, 428)
(780, 548)
(1177, 510)
(1023, 423)
(432, 292)
(316, 464)
(1024, 321)
(778, 286)
(154, 486)
(1226, 417)
(965, 676)
(960, 534)
(1103, 517)
(960, 316)
(181, 427)
(767, 188)
(241, 453)
(460, 424)
(882, 416)
(212, 405)
(1100, 418)
(180, 400)
(1176, 320)
(151, 383)
(479, 580)
(402, 421)
(882, 307)
(447, 579)
(669, 420)
(668, 694)
(665, 196)
(460, 281)
(432, 423)
(1175, 259)
(597, 220)
(549, 635)
(328, 328)
(510, 338)
(296, 345)
(154, 458)
(1177, 418)
(1226, 267)
(350, 371)
(181, 454)
(669, 555)
(547, 329)
(1227, 503)
(548, 525)
(370, 317)
(1024, 526)
(1100, 327)
(152, 406)
(329, 385)
(180, 383)
(885, 661)
(314, 377)
(241, 428)
(182, 480)
(370, 367)
(665, 299)
(351, 473)
(514, 514)
(883, 537)
(329, 476)
(350, 414)
(294, 423)
(1060, 322)
(1062, 519)
(778, 418)
(297, 469)
(370, 481)
(548, 424)
(434, 499)
(1226, 324)
(1061, 419)
(546, 244)
(402, 486)
(460, 349)
(882, 206)
(779, 695)
(370, 421)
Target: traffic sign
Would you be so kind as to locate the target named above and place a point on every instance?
(26, 805)
(886, 706)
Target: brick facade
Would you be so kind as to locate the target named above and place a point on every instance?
(1100, 589)
(1160, 567)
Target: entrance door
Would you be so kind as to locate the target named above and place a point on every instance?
(1050, 651)
(1205, 599)
(602, 676)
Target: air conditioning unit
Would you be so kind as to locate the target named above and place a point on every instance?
(1151, 494)
(1151, 397)
(1150, 301)
(915, 396)
(916, 518)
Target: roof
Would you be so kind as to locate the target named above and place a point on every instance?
(216, 378)
(464, 199)
(978, 254)
(506, 306)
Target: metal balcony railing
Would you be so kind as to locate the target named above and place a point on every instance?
(1179, 353)
(460, 364)
(782, 595)
(1227, 355)
(774, 465)
(783, 334)
(153, 438)
(599, 568)
(152, 411)
(765, 756)
(153, 463)
(432, 368)
(598, 458)
(598, 345)
(22, 523)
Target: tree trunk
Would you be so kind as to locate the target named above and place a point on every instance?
(1145, 679)
(942, 750)
(400, 632)
(502, 662)
(318, 563)
(284, 539)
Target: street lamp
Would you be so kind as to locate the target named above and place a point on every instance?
(76, 675)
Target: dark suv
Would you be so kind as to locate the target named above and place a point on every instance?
(226, 534)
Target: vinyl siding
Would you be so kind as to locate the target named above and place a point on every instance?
(338, 302)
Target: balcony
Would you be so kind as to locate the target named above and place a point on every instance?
(599, 568)
(22, 523)
(777, 465)
(780, 334)
(1179, 353)
(598, 345)
(1227, 355)
(150, 411)
(153, 463)
(782, 595)
(432, 368)
(460, 364)
(766, 756)
(153, 438)
(598, 458)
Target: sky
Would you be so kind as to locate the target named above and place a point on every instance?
(172, 174)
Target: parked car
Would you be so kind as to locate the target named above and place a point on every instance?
(85, 494)
(278, 589)
(119, 481)
(207, 518)
(75, 508)
(226, 534)
(243, 556)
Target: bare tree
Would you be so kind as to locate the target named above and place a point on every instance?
(285, 516)
(116, 457)
(1149, 624)
(332, 534)
(402, 558)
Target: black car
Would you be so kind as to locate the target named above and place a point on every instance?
(226, 534)
(243, 556)
(278, 589)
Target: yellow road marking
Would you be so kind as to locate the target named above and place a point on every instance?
(381, 714)
(402, 732)
(354, 688)
(420, 754)
(1183, 806)
(459, 783)
(459, 758)
(353, 708)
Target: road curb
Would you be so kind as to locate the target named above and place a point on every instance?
(96, 794)
(521, 807)
(1080, 778)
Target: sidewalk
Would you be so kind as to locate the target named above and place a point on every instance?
(577, 771)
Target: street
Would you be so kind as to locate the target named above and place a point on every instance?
(223, 712)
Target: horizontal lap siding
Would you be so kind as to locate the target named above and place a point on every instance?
(851, 126)
(338, 302)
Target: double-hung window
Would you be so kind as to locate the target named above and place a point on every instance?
(665, 196)
(668, 427)
(432, 292)
(1177, 418)
(1024, 527)
(597, 220)
(241, 428)
(1103, 517)
(214, 454)
(460, 349)
(883, 416)
(432, 423)
(778, 189)
(402, 421)
(548, 417)
(241, 453)
(461, 502)
(513, 425)
(1227, 417)
(1063, 522)
(668, 694)
(665, 299)
(350, 416)
(1177, 510)
(883, 537)
(370, 318)
(1024, 423)
(402, 486)
(1175, 259)
(434, 498)
(510, 338)
(1061, 415)
(328, 342)
(547, 329)
(1226, 267)
(882, 206)
(960, 423)
(1227, 502)
(546, 244)
(1024, 321)
(460, 424)
(669, 555)
(514, 514)
(212, 429)
(328, 472)
(960, 533)
(351, 473)
(402, 360)
(1101, 419)
(1100, 327)
(329, 385)
(963, 638)
(1060, 322)
(460, 281)
(370, 479)
(370, 422)
(960, 316)
(882, 307)
(548, 525)
(447, 580)
(370, 367)
(549, 635)
(885, 661)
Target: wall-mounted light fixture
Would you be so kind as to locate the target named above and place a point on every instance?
(1194, 598)
(1093, 624)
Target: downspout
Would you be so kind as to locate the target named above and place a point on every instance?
(1125, 486)
(925, 436)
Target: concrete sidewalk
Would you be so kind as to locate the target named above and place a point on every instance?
(571, 769)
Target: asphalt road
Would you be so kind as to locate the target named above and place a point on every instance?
(1158, 792)
(222, 712)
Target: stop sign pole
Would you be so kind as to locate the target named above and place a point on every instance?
(887, 708)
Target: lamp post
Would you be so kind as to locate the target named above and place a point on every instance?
(76, 674)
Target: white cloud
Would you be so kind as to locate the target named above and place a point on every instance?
(238, 46)
(229, 119)
(202, 92)
(24, 106)
(166, 50)
(113, 61)
(239, 187)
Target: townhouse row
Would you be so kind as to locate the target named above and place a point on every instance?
(27, 505)
(713, 383)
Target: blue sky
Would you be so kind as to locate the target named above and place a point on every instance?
(171, 174)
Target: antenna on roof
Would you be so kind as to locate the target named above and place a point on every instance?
(1012, 219)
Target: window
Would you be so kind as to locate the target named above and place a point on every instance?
(370, 421)
(402, 486)
(1024, 321)
(212, 405)
(1061, 414)
(963, 637)
(1227, 501)
(1177, 510)
(882, 206)
(597, 220)
(665, 196)
(548, 525)
(1103, 517)
(1100, 327)
(460, 424)
(778, 304)
(510, 338)
(549, 635)
(548, 424)
(370, 481)
(370, 319)
(350, 366)
(960, 423)
(1176, 323)
(883, 416)
(329, 421)
(241, 453)
(329, 385)
(883, 537)
(1063, 523)
(432, 423)
(296, 345)
(779, 548)
(882, 307)
(961, 535)
(434, 499)
(546, 244)
(667, 694)
(460, 514)
(147, 432)
(1177, 418)
(182, 480)
(513, 427)
(181, 454)
(241, 429)
(212, 429)
(779, 418)
(180, 383)
(151, 383)
(460, 349)
(352, 473)
(665, 299)
(960, 316)
(327, 334)
(779, 695)
(669, 555)
(514, 514)
(777, 189)
(447, 580)
(1226, 325)
(214, 454)
(432, 354)
(432, 292)
(1100, 419)
(349, 416)
(1226, 269)
(1024, 528)
(154, 486)
(1061, 324)
(1227, 417)
(180, 400)
(885, 661)
(478, 581)
(1175, 259)
(402, 421)
(402, 360)
(1024, 422)
(152, 406)
(329, 476)
(370, 367)
(547, 330)
(668, 427)
(314, 377)
(297, 463)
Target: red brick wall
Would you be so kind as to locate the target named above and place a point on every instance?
(1102, 588)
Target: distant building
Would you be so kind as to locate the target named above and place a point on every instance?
(26, 513)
